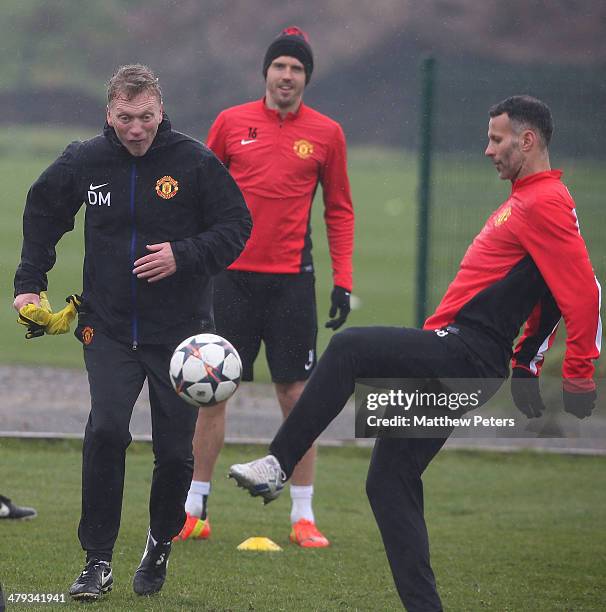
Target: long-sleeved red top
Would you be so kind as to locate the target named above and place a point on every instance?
(530, 264)
(278, 163)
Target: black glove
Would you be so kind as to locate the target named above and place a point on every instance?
(579, 404)
(339, 301)
(526, 392)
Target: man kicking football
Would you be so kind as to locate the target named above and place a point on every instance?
(529, 264)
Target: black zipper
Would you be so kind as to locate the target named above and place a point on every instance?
(133, 246)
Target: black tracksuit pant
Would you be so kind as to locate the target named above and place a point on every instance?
(116, 374)
(394, 484)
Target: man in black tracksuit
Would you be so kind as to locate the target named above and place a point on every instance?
(163, 216)
(528, 266)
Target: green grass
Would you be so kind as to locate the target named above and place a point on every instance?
(383, 188)
(465, 191)
(508, 533)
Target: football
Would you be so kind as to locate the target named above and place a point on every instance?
(205, 369)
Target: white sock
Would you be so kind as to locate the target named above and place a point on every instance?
(301, 503)
(195, 498)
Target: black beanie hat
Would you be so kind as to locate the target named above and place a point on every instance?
(293, 42)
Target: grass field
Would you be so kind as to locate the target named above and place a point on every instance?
(465, 191)
(509, 533)
(383, 186)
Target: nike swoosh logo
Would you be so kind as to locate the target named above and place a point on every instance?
(105, 578)
(310, 361)
(245, 142)
(93, 187)
(4, 510)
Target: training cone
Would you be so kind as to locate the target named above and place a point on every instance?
(259, 544)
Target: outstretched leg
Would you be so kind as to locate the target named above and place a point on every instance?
(360, 352)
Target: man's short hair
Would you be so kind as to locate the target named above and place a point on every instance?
(132, 80)
(527, 112)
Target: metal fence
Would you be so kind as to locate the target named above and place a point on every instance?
(463, 187)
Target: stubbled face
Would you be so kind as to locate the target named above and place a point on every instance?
(504, 147)
(135, 121)
(285, 83)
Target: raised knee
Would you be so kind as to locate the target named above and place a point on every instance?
(344, 340)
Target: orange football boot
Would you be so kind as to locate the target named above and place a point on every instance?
(194, 528)
(306, 534)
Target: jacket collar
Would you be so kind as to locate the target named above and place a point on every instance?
(534, 178)
(270, 112)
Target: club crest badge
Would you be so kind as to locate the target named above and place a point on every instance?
(303, 148)
(167, 187)
(87, 335)
(503, 216)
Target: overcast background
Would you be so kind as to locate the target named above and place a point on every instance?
(57, 56)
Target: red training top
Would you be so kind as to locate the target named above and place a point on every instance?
(277, 164)
(530, 263)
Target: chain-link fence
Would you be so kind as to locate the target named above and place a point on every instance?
(464, 186)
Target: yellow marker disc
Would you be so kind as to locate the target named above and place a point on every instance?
(259, 544)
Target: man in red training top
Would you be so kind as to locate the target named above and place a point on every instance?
(278, 150)
(529, 264)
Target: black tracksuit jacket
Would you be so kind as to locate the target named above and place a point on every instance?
(178, 192)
